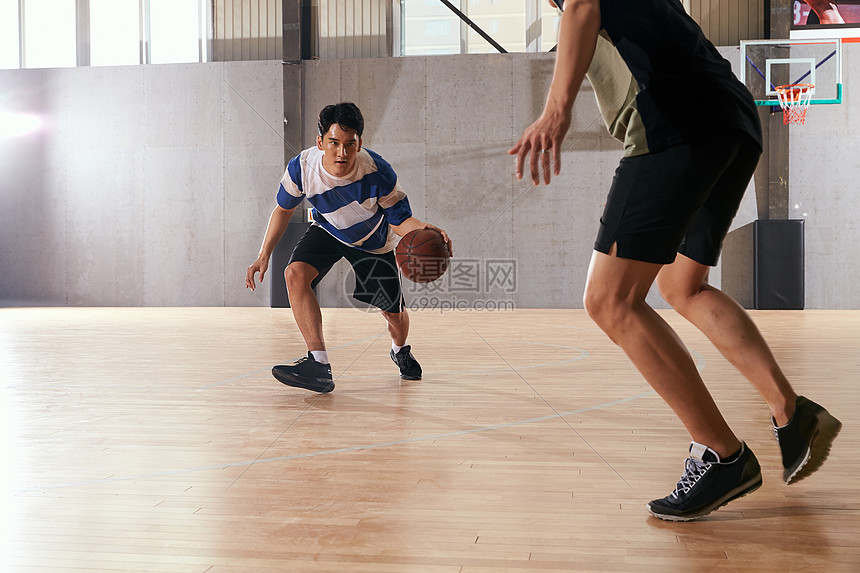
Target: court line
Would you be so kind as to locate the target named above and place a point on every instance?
(350, 449)
(700, 362)
(214, 384)
(296, 419)
(583, 354)
(267, 368)
(551, 407)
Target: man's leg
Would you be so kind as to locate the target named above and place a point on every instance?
(401, 353)
(730, 328)
(804, 429)
(377, 282)
(312, 372)
(398, 326)
(615, 299)
(304, 303)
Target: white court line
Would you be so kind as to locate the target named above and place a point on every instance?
(268, 368)
(582, 355)
(335, 450)
(700, 364)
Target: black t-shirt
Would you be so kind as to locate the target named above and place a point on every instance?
(687, 90)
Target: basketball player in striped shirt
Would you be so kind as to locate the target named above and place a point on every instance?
(359, 209)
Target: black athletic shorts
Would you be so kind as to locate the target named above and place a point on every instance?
(377, 280)
(681, 200)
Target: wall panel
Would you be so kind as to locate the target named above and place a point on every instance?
(251, 29)
(175, 168)
(353, 28)
(727, 22)
(246, 30)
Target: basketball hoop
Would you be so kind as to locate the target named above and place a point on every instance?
(794, 101)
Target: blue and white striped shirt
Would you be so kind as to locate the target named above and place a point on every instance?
(356, 209)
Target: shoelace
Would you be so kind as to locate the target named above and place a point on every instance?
(404, 360)
(693, 471)
(776, 435)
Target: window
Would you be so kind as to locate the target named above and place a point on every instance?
(437, 28)
(9, 52)
(429, 27)
(114, 32)
(550, 21)
(174, 31)
(49, 34)
(507, 21)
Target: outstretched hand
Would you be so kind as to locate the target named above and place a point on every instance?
(541, 143)
(261, 265)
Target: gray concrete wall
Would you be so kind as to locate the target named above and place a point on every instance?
(824, 176)
(151, 185)
(145, 186)
(445, 124)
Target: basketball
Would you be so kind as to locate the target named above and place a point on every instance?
(422, 255)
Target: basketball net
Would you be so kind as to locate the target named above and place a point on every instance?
(794, 101)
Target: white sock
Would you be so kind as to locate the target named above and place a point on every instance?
(320, 356)
(396, 348)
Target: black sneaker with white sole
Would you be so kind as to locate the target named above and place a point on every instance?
(305, 373)
(409, 367)
(806, 439)
(708, 484)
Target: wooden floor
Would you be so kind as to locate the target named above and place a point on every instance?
(156, 440)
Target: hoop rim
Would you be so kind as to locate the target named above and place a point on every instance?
(794, 101)
(794, 87)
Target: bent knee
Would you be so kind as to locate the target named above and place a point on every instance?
(591, 304)
(670, 290)
(297, 275)
(608, 312)
(676, 293)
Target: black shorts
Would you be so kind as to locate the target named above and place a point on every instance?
(377, 280)
(681, 200)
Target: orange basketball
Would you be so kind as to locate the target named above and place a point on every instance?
(422, 255)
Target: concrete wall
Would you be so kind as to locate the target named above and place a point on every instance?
(824, 176)
(146, 185)
(151, 185)
(445, 123)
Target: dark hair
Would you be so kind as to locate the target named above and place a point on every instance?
(345, 114)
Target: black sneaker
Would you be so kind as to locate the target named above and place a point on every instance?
(708, 484)
(409, 367)
(805, 440)
(305, 373)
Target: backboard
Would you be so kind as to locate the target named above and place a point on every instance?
(766, 64)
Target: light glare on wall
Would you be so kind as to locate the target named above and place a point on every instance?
(18, 124)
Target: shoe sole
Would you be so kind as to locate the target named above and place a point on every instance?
(818, 451)
(321, 386)
(736, 493)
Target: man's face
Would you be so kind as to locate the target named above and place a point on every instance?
(340, 147)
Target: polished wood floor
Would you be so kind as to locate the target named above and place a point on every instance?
(156, 440)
